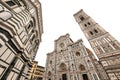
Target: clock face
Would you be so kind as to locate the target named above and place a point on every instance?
(61, 45)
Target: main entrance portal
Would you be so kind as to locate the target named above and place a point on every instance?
(85, 77)
(64, 77)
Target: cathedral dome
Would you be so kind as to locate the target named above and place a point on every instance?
(89, 51)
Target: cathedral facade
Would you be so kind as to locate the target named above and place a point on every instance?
(105, 46)
(70, 61)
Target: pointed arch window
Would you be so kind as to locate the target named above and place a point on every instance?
(91, 32)
(96, 31)
(85, 25)
(49, 73)
(82, 67)
(0, 45)
(88, 23)
(63, 67)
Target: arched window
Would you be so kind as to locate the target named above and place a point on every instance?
(85, 25)
(77, 53)
(82, 67)
(63, 67)
(31, 23)
(0, 45)
(49, 73)
(88, 23)
(91, 32)
(96, 31)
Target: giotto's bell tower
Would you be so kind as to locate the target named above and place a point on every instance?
(106, 47)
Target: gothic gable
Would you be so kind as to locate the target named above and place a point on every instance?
(63, 42)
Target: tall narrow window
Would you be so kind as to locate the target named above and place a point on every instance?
(96, 30)
(28, 27)
(0, 45)
(49, 73)
(88, 23)
(85, 25)
(10, 3)
(91, 32)
(33, 37)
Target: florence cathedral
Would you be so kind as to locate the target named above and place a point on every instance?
(71, 61)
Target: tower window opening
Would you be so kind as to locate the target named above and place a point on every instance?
(10, 3)
(88, 23)
(77, 54)
(28, 26)
(85, 25)
(82, 18)
(82, 67)
(96, 30)
(91, 32)
(0, 45)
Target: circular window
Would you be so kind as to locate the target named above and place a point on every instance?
(61, 45)
(77, 53)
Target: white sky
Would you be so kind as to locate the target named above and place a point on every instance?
(58, 20)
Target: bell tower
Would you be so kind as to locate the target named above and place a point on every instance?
(106, 47)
